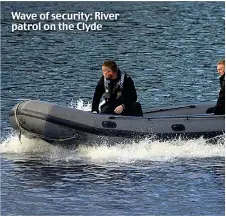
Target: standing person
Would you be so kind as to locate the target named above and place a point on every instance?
(118, 90)
(219, 109)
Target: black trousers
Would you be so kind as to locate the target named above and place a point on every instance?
(216, 110)
(134, 110)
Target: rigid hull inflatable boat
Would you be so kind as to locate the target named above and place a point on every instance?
(59, 124)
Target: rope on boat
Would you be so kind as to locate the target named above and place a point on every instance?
(22, 130)
(17, 121)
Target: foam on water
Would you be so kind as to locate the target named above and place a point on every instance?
(127, 153)
(81, 105)
(154, 151)
(12, 144)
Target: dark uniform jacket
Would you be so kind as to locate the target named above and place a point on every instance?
(220, 107)
(118, 96)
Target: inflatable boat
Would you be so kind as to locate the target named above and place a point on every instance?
(58, 124)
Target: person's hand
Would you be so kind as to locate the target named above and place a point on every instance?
(119, 109)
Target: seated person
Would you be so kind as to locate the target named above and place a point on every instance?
(118, 90)
(219, 109)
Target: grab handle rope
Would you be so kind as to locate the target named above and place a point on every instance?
(22, 130)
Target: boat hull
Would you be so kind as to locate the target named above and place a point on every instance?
(63, 125)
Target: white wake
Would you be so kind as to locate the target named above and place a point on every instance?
(121, 153)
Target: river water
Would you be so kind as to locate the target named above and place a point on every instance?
(170, 49)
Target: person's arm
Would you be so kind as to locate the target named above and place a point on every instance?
(221, 98)
(99, 91)
(129, 92)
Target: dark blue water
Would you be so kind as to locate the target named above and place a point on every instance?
(170, 49)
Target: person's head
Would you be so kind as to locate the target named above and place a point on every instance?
(221, 67)
(109, 69)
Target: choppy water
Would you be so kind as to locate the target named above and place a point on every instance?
(170, 49)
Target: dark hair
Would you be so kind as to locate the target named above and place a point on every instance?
(111, 65)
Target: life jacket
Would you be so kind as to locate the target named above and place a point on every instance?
(117, 89)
